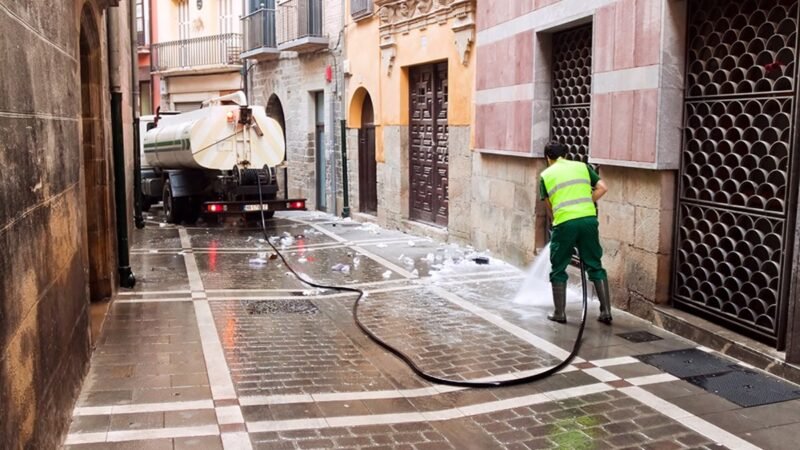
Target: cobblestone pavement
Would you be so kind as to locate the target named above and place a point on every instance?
(218, 347)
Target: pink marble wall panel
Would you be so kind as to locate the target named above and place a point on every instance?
(648, 32)
(542, 3)
(602, 118)
(504, 126)
(506, 63)
(624, 34)
(645, 124)
(491, 13)
(604, 27)
(622, 125)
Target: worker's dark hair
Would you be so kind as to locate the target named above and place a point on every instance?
(555, 150)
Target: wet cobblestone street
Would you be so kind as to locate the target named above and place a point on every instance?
(219, 347)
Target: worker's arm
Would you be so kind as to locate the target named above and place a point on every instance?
(600, 189)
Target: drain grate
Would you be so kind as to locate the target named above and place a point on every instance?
(271, 307)
(687, 363)
(639, 337)
(747, 388)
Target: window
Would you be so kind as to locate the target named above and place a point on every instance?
(228, 17)
(360, 8)
(184, 21)
(142, 37)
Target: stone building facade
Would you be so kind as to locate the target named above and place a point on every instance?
(195, 51)
(410, 64)
(58, 247)
(683, 106)
(294, 69)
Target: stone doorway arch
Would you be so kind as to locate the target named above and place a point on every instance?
(367, 164)
(275, 111)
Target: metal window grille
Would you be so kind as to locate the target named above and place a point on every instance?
(572, 90)
(738, 175)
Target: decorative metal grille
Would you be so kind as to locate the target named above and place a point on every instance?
(572, 90)
(737, 173)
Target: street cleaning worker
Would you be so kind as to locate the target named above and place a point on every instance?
(571, 189)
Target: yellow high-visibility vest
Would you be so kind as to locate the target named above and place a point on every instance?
(569, 188)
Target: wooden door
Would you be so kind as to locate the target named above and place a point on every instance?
(367, 166)
(428, 150)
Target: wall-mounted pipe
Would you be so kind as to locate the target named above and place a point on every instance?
(126, 277)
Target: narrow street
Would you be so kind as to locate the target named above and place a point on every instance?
(219, 347)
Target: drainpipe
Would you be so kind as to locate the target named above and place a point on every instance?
(135, 102)
(126, 277)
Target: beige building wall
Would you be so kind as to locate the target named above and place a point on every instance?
(185, 87)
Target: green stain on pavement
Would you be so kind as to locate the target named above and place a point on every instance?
(572, 433)
(586, 421)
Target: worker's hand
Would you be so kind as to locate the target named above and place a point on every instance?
(600, 190)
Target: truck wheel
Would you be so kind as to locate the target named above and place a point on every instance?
(172, 206)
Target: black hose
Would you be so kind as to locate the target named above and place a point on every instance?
(437, 380)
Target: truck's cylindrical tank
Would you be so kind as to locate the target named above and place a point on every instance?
(212, 138)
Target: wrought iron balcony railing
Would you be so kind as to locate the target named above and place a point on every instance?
(197, 53)
(300, 25)
(360, 8)
(259, 30)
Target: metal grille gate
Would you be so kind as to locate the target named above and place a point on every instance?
(572, 90)
(737, 184)
(428, 151)
(571, 96)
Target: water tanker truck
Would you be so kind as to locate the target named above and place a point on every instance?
(213, 161)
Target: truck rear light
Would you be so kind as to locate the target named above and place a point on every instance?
(216, 208)
(297, 205)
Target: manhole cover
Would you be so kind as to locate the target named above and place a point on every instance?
(639, 337)
(269, 307)
(747, 388)
(688, 363)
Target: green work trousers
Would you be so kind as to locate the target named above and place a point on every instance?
(584, 235)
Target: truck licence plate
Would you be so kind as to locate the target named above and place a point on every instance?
(256, 208)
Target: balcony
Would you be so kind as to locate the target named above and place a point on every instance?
(207, 54)
(259, 35)
(300, 26)
(360, 8)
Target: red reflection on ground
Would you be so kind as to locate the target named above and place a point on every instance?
(212, 257)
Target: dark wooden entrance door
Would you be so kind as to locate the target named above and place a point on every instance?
(367, 166)
(428, 151)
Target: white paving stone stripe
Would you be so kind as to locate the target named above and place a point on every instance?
(219, 375)
(236, 441)
(687, 419)
(146, 293)
(229, 415)
(285, 399)
(162, 433)
(142, 408)
(141, 435)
